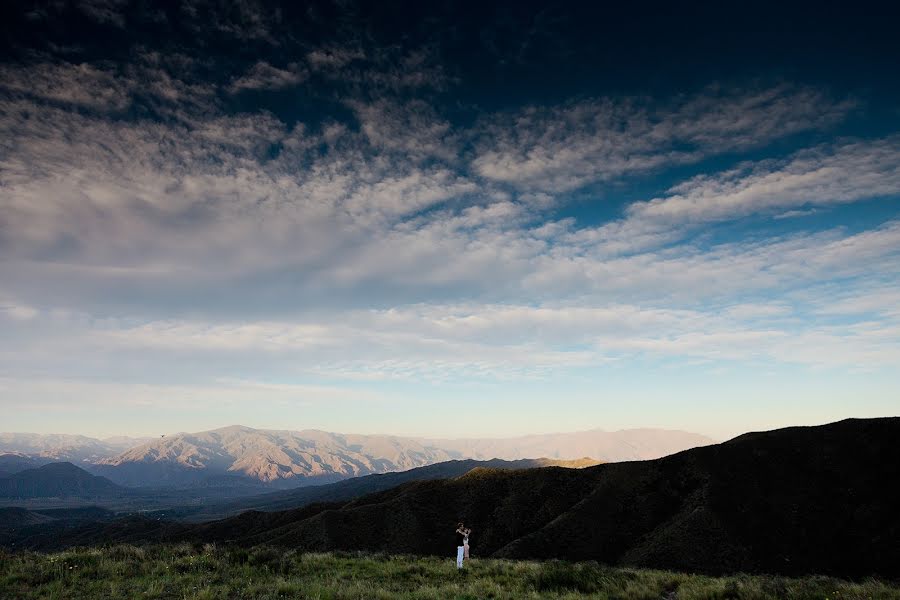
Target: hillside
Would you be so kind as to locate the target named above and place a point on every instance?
(360, 486)
(213, 571)
(797, 500)
(14, 517)
(818, 499)
(19, 517)
(13, 462)
(56, 480)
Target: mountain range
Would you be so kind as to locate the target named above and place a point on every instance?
(607, 446)
(286, 458)
(792, 501)
(243, 456)
(55, 447)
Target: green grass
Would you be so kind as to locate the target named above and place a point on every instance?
(184, 571)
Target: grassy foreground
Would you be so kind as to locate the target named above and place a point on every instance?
(183, 571)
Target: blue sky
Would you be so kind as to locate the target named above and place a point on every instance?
(446, 220)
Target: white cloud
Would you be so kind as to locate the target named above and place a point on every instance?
(413, 128)
(263, 76)
(566, 147)
(883, 300)
(58, 393)
(82, 85)
(400, 250)
(104, 90)
(381, 69)
(840, 174)
(792, 214)
(333, 57)
(474, 341)
(104, 11)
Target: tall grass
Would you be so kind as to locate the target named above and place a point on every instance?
(209, 572)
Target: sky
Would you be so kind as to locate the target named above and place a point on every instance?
(447, 219)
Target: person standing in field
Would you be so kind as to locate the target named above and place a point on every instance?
(460, 545)
(466, 543)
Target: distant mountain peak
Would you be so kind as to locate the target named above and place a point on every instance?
(234, 429)
(285, 458)
(289, 458)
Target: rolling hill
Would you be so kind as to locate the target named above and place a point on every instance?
(360, 486)
(57, 480)
(13, 462)
(12, 517)
(797, 500)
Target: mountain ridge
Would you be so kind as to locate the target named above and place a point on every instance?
(283, 458)
(54, 447)
(60, 479)
(792, 501)
(270, 456)
(352, 488)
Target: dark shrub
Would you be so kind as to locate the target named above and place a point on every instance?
(238, 556)
(265, 557)
(559, 576)
(776, 587)
(126, 552)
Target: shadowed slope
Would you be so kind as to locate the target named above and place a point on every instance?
(11, 463)
(420, 517)
(797, 500)
(368, 484)
(56, 480)
(816, 499)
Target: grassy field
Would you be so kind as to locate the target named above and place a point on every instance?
(184, 571)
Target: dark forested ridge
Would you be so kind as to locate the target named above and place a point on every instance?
(11, 463)
(796, 500)
(360, 486)
(58, 480)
